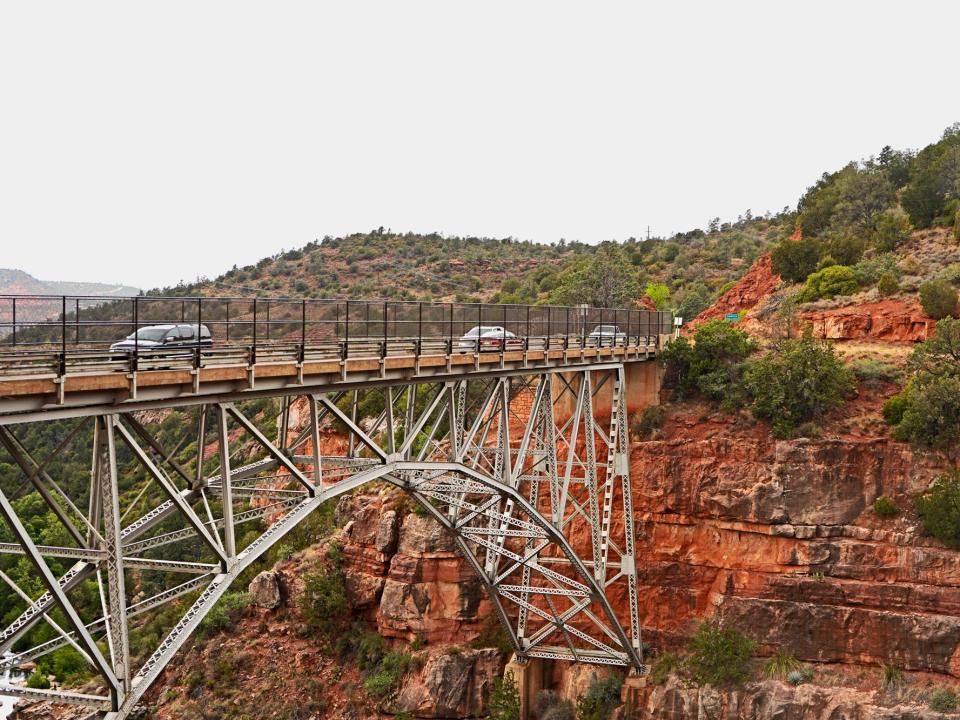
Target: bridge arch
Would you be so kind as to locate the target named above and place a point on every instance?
(528, 470)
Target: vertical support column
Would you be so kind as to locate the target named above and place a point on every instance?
(226, 482)
(315, 440)
(117, 635)
(391, 444)
(528, 675)
(629, 561)
(199, 481)
(352, 446)
(410, 419)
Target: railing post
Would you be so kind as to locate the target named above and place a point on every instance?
(419, 328)
(303, 322)
(268, 320)
(386, 309)
(346, 330)
(136, 334)
(228, 321)
(566, 332)
(548, 330)
(450, 334)
(503, 339)
(196, 358)
(254, 351)
(76, 320)
(14, 321)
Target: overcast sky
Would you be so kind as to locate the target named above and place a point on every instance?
(149, 143)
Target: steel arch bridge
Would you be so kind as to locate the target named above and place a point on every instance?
(520, 452)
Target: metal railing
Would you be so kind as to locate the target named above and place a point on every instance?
(77, 331)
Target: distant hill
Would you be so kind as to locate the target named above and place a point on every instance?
(17, 282)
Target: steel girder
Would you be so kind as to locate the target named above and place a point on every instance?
(528, 473)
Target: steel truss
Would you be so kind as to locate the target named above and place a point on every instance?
(529, 474)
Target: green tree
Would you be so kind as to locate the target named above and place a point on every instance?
(696, 298)
(711, 365)
(798, 384)
(505, 698)
(890, 228)
(658, 293)
(794, 260)
(938, 298)
(607, 279)
(939, 509)
(887, 284)
(927, 412)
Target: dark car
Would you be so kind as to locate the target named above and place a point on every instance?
(162, 337)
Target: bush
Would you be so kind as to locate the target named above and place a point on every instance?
(943, 700)
(719, 656)
(711, 365)
(894, 407)
(505, 698)
(600, 699)
(870, 370)
(888, 285)
(885, 507)
(939, 509)
(38, 681)
(938, 298)
(891, 227)
(665, 665)
(324, 602)
(780, 665)
(891, 677)
(829, 282)
(795, 677)
(644, 422)
(798, 384)
(869, 271)
(391, 670)
(225, 614)
(794, 260)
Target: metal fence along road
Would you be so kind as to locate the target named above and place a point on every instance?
(71, 334)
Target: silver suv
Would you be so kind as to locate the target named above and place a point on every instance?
(155, 337)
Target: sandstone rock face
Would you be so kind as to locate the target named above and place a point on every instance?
(266, 591)
(779, 537)
(451, 685)
(758, 282)
(772, 699)
(895, 320)
(403, 569)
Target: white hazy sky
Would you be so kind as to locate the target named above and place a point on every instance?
(147, 143)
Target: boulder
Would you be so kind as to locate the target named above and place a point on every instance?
(266, 590)
(453, 684)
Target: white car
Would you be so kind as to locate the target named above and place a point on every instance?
(485, 337)
(607, 335)
(164, 337)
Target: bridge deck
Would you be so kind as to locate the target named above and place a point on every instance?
(94, 383)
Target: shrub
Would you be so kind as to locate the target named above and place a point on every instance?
(891, 227)
(794, 260)
(224, 615)
(943, 700)
(829, 282)
(895, 406)
(870, 370)
(718, 655)
(939, 509)
(38, 681)
(600, 699)
(563, 710)
(885, 507)
(798, 384)
(492, 635)
(780, 665)
(545, 700)
(711, 365)
(869, 271)
(795, 677)
(646, 421)
(888, 285)
(663, 667)
(951, 274)
(391, 670)
(505, 698)
(324, 602)
(938, 298)
(891, 677)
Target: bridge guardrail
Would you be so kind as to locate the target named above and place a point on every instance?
(41, 334)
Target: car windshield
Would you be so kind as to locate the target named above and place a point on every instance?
(606, 329)
(480, 330)
(152, 334)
